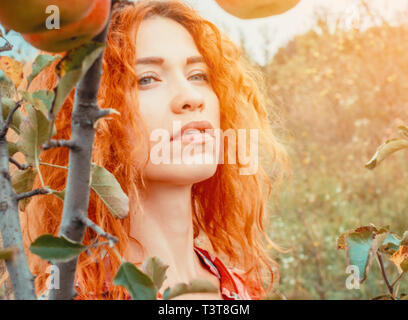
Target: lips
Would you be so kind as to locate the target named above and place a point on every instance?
(192, 127)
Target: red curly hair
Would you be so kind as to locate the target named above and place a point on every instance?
(229, 208)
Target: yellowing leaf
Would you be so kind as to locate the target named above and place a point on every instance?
(12, 68)
(33, 133)
(156, 270)
(109, 190)
(400, 259)
(195, 286)
(386, 149)
(70, 70)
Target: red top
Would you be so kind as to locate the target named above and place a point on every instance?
(232, 285)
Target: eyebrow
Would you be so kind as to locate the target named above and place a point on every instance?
(160, 61)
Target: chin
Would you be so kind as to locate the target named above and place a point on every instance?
(180, 174)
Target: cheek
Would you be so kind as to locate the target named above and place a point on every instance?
(215, 109)
(152, 110)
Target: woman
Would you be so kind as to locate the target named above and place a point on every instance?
(165, 65)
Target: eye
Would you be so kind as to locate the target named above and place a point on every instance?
(147, 79)
(199, 76)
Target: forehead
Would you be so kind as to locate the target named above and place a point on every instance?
(159, 36)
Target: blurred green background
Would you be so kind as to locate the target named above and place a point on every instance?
(337, 91)
(339, 94)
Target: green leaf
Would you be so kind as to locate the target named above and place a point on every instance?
(195, 286)
(109, 190)
(55, 249)
(71, 69)
(12, 148)
(7, 105)
(46, 96)
(156, 270)
(41, 62)
(59, 194)
(23, 180)
(362, 246)
(139, 285)
(41, 99)
(390, 244)
(386, 149)
(34, 132)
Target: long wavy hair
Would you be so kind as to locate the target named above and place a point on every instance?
(228, 208)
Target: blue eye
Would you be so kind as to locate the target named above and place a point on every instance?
(145, 81)
(199, 76)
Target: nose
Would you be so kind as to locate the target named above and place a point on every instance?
(187, 99)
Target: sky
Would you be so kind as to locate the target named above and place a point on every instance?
(277, 29)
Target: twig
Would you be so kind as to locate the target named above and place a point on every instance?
(398, 279)
(6, 124)
(99, 244)
(8, 253)
(31, 193)
(7, 47)
(79, 171)
(20, 276)
(380, 261)
(53, 165)
(371, 14)
(60, 143)
(19, 165)
(92, 225)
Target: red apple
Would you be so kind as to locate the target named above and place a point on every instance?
(29, 16)
(74, 34)
(252, 9)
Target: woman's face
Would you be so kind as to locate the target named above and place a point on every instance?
(174, 91)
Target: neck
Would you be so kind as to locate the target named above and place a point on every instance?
(165, 229)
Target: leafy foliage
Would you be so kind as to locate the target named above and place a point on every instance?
(70, 70)
(7, 105)
(13, 69)
(41, 62)
(145, 285)
(194, 286)
(363, 244)
(139, 285)
(338, 94)
(109, 190)
(156, 270)
(56, 249)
